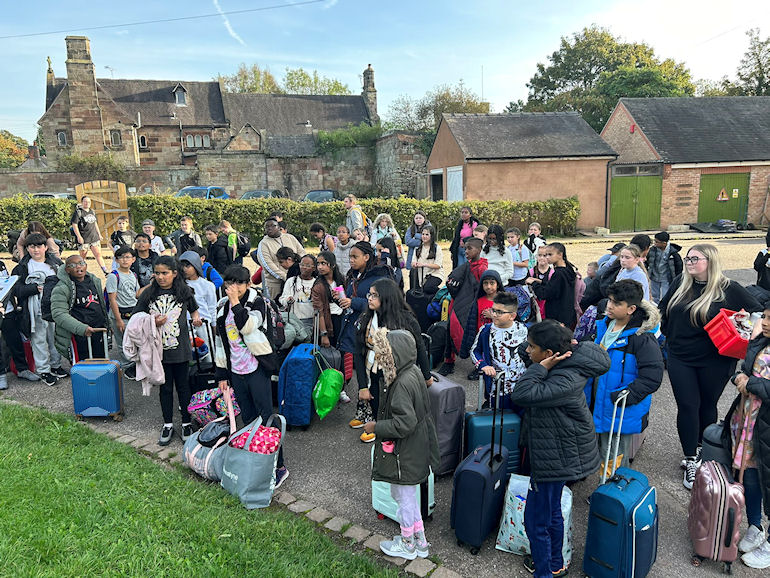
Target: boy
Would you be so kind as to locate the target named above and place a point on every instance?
(209, 272)
(480, 314)
(591, 270)
(144, 259)
(496, 345)
(37, 265)
(463, 284)
(480, 232)
(558, 418)
(325, 241)
(520, 255)
(611, 257)
(121, 286)
(342, 249)
(219, 255)
(184, 238)
(627, 334)
(156, 243)
(123, 236)
(663, 265)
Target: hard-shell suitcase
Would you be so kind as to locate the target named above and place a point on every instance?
(479, 423)
(447, 405)
(478, 493)
(713, 449)
(296, 380)
(97, 386)
(418, 300)
(386, 507)
(635, 444)
(202, 374)
(439, 334)
(622, 534)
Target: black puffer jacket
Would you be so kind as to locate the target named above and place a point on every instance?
(761, 388)
(558, 428)
(597, 289)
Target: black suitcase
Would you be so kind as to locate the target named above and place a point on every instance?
(447, 406)
(418, 300)
(202, 374)
(439, 334)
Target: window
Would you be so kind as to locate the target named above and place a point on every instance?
(637, 170)
(206, 141)
(198, 142)
(189, 140)
(142, 142)
(115, 139)
(181, 97)
(61, 138)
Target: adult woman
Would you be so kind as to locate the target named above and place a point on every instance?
(35, 227)
(86, 231)
(498, 258)
(465, 226)
(698, 373)
(427, 263)
(386, 307)
(296, 291)
(413, 235)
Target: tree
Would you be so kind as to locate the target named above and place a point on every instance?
(449, 99)
(402, 114)
(754, 69)
(13, 150)
(249, 79)
(299, 81)
(255, 79)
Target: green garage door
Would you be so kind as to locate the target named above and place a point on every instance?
(723, 197)
(635, 203)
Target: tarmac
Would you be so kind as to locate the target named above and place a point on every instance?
(329, 467)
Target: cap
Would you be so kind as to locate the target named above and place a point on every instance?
(616, 247)
(148, 222)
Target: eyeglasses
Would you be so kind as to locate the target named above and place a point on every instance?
(499, 312)
(694, 260)
(372, 296)
(76, 264)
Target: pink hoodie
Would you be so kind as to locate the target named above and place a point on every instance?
(141, 343)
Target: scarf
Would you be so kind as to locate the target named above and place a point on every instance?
(371, 363)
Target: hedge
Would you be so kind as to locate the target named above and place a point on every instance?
(557, 216)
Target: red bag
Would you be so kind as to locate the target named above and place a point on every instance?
(265, 441)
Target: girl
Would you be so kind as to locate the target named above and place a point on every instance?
(752, 423)
(386, 307)
(325, 241)
(498, 259)
(520, 255)
(413, 235)
(296, 291)
(427, 263)
(534, 240)
(632, 267)
(387, 252)
(698, 373)
(35, 227)
(464, 229)
(328, 283)
(169, 300)
(542, 271)
(410, 446)
(289, 260)
(360, 235)
(239, 316)
(384, 228)
(559, 290)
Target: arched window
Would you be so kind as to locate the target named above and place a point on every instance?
(206, 141)
(198, 142)
(116, 139)
(189, 140)
(61, 138)
(142, 141)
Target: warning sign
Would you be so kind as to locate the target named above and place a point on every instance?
(722, 196)
(735, 193)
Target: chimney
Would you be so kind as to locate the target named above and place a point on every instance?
(85, 115)
(33, 152)
(369, 94)
(50, 85)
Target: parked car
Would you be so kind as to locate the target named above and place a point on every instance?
(322, 196)
(262, 194)
(53, 195)
(203, 193)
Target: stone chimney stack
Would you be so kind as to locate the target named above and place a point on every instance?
(33, 152)
(85, 114)
(370, 94)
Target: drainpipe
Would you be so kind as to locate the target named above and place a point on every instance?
(608, 179)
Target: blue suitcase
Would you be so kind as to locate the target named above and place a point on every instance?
(622, 535)
(478, 427)
(97, 386)
(296, 380)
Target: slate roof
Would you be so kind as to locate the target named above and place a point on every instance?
(705, 129)
(525, 135)
(291, 146)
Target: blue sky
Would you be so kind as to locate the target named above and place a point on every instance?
(413, 46)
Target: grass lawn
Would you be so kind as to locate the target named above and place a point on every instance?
(75, 503)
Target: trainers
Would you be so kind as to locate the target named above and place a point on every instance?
(28, 375)
(473, 375)
(344, 397)
(165, 435)
(446, 369)
(560, 573)
(186, 431)
(691, 468)
(59, 372)
(422, 549)
(683, 463)
(48, 378)
(759, 557)
(398, 548)
(752, 540)
(529, 564)
(280, 476)
(356, 423)
(3, 382)
(130, 373)
(368, 438)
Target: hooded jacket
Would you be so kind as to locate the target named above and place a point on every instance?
(455, 246)
(141, 343)
(218, 254)
(62, 301)
(248, 320)
(404, 415)
(356, 291)
(673, 261)
(23, 290)
(559, 295)
(342, 254)
(413, 239)
(597, 290)
(470, 327)
(636, 365)
(557, 426)
(267, 252)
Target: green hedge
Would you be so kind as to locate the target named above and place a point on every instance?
(55, 214)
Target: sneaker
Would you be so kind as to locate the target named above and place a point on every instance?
(60, 372)
(560, 573)
(529, 564)
(280, 476)
(368, 438)
(398, 548)
(48, 378)
(683, 463)
(186, 431)
(3, 382)
(165, 435)
(356, 423)
(752, 540)
(473, 375)
(422, 549)
(28, 375)
(759, 557)
(130, 373)
(690, 470)
(344, 397)
(446, 369)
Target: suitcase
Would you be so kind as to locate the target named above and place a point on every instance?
(478, 425)
(622, 533)
(296, 380)
(478, 492)
(447, 405)
(439, 334)
(712, 449)
(97, 386)
(386, 507)
(27, 345)
(635, 444)
(418, 300)
(202, 375)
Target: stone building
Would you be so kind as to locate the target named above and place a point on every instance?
(689, 160)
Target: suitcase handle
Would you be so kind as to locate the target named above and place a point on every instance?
(103, 331)
(496, 391)
(210, 334)
(622, 398)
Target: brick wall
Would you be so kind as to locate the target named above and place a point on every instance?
(679, 196)
(759, 191)
(632, 147)
(400, 166)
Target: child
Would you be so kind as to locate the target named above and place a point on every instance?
(591, 270)
(520, 255)
(168, 299)
(238, 244)
(388, 255)
(542, 271)
(289, 261)
(559, 290)
(184, 238)
(753, 382)
(463, 284)
(156, 243)
(145, 259)
(560, 437)
(427, 263)
(342, 249)
(360, 235)
(122, 237)
(663, 265)
(480, 232)
(204, 290)
(498, 258)
(209, 272)
(121, 286)
(496, 347)
(38, 264)
(631, 267)
(627, 334)
(408, 446)
(480, 313)
(219, 255)
(325, 240)
(534, 241)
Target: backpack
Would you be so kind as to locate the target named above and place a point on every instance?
(367, 223)
(117, 275)
(524, 311)
(273, 326)
(439, 334)
(207, 405)
(45, 300)
(244, 244)
(580, 289)
(586, 325)
(436, 308)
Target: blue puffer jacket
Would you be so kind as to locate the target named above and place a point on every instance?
(636, 365)
(356, 290)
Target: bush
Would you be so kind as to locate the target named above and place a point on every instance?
(350, 136)
(98, 167)
(55, 214)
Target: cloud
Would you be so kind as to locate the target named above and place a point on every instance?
(330, 4)
(230, 30)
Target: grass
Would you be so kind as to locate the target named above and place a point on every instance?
(76, 503)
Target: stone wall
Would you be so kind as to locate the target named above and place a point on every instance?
(633, 147)
(400, 166)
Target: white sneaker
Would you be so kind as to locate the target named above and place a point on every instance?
(759, 557)
(344, 397)
(398, 548)
(691, 468)
(752, 540)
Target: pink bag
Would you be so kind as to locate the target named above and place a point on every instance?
(265, 441)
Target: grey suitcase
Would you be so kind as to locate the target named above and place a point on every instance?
(447, 404)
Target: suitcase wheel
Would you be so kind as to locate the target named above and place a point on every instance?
(459, 542)
(117, 417)
(475, 551)
(696, 560)
(727, 567)
(78, 417)
(380, 516)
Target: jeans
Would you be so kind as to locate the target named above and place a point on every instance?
(118, 337)
(461, 258)
(753, 494)
(658, 289)
(177, 374)
(544, 524)
(43, 348)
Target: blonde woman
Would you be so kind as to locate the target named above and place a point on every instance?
(698, 373)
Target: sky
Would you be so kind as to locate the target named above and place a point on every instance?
(493, 46)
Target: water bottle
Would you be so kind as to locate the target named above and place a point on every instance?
(341, 295)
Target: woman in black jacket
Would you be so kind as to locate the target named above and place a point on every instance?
(558, 290)
(465, 226)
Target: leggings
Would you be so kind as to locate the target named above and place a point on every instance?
(697, 389)
(176, 374)
(409, 516)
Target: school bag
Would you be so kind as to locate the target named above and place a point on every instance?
(437, 306)
(524, 311)
(207, 405)
(45, 299)
(244, 244)
(117, 276)
(586, 325)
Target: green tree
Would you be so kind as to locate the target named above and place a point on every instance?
(449, 99)
(299, 81)
(13, 150)
(402, 114)
(754, 69)
(250, 79)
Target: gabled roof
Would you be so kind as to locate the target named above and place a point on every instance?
(525, 135)
(287, 114)
(705, 129)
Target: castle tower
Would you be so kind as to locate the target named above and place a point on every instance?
(85, 114)
(369, 94)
